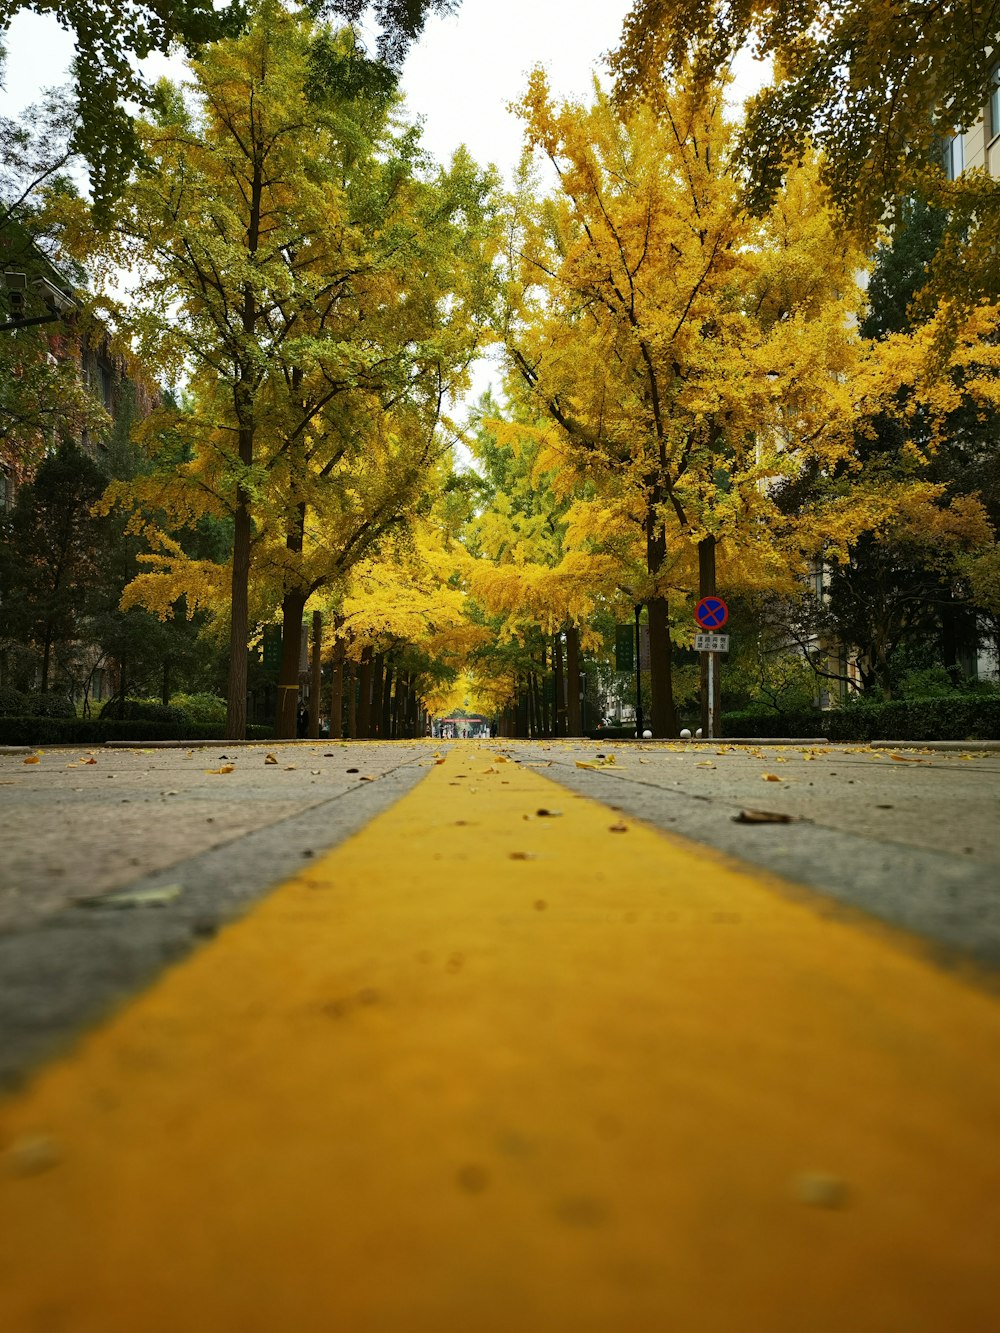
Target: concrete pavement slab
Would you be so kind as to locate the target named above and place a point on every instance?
(913, 840)
(73, 833)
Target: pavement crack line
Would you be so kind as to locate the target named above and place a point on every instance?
(485, 1068)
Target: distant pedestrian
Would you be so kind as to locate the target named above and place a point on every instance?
(302, 722)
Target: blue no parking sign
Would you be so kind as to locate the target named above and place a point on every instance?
(711, 613)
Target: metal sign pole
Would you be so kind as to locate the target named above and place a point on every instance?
(711, 696)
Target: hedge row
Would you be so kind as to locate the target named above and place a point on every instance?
(957, 717)
(95, 731)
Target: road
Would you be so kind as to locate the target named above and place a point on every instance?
(520, 1054)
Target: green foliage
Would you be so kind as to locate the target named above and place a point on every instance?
(959, 717)
(13, 703)
(869, 83)
(203, 709)
(51, 550)
(142, 710)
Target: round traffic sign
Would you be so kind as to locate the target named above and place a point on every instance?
(711, 613)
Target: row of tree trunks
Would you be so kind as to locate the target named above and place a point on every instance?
(371, 699)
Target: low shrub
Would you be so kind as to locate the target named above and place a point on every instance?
(201, 708)
(12, 702)
(142, 710)
(49, 705)
(95, 731)
(34, 703)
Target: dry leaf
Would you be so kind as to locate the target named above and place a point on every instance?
(289, 768)
(907, 759)
(88, 761)
(762, 817)
(524, 856)
(226, 768)
(316, 772)
(158, 897)
(707, 763)
(618, 828)
(32, 759)
(543, 813)
(270, 759)
(365, 778)
(770, 777)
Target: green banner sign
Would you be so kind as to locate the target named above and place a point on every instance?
(624, 648)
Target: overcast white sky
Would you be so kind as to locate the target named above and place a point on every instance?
(460, 79)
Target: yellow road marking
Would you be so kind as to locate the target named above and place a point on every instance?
(476, 1073)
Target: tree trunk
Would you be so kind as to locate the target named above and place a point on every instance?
(558, 686)
(239, 629)
(337, 692)
(574, 722)
(414, 713)
(663, 722)
(398, 713)
(365, 694)
(385, 728)
(316, 685)
(350, 684)
(546, 722)
(46, 655)
(378, 671)
(285, 722)
(664, 719)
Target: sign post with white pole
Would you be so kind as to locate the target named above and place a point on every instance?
(711, 613)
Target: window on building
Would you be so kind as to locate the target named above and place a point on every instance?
(994, 108)
(953, 156)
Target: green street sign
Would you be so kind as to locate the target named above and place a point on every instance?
(624, 648)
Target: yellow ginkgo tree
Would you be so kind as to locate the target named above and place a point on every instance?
(688, 352)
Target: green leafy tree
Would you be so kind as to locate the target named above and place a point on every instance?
(52, 549)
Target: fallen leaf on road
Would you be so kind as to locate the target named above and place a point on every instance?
(270, 759)
(770, 777)
(32, 1154)
(706, 763)
(819, 1190)
(289, 768)
(524, 856)
(543, 813)
(762, 817)
(157, 897)
(32, 759)
(365, 778)
(88, 761)
(618, 828)
(908, 759)
(226, 768)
